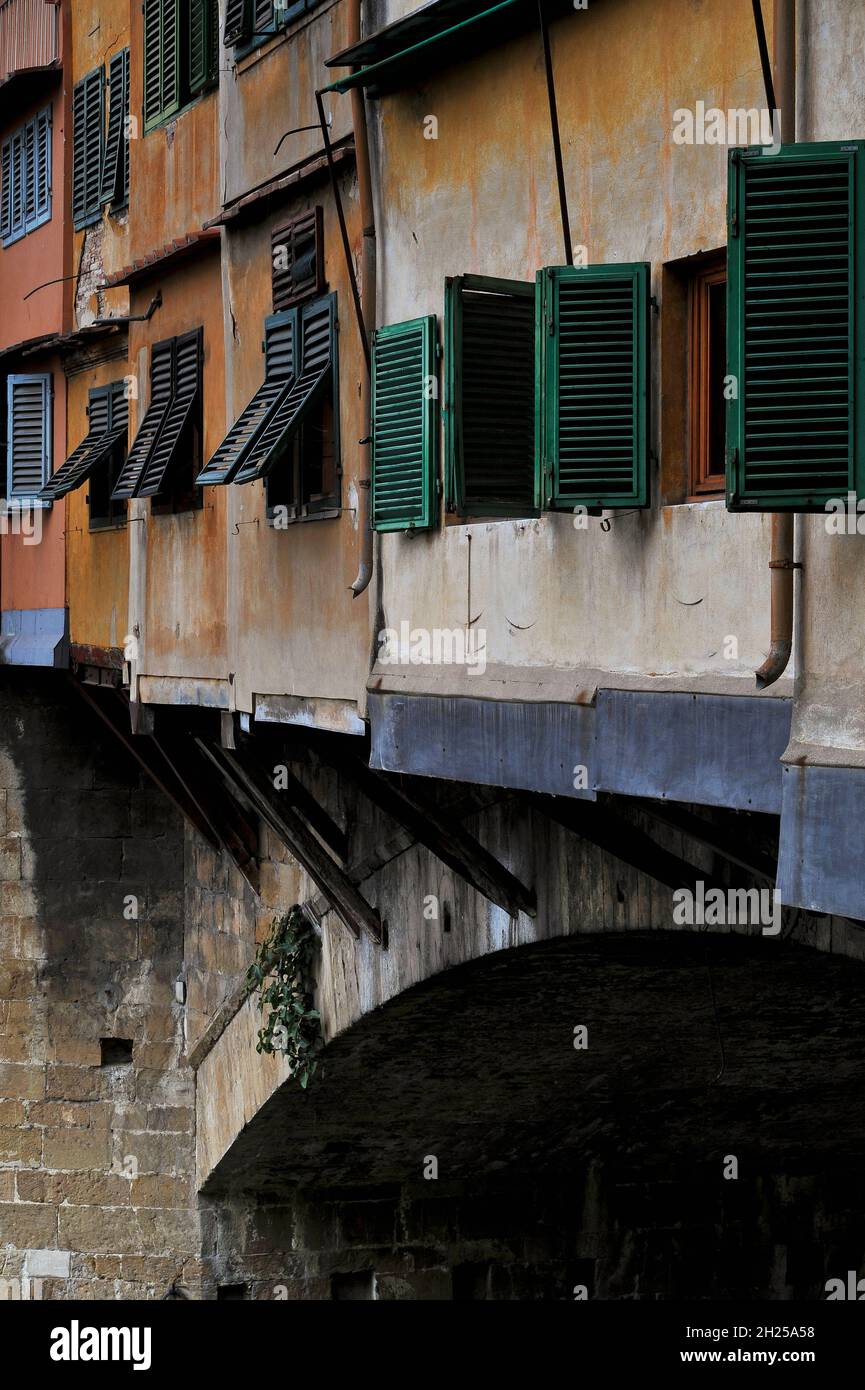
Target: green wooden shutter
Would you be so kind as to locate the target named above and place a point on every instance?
(490, 396)
(592, 356)
(203, 44)
(796, 347)
(314, 374)
(404, 426)
(185, 406)
(281, 337)
(28, 434)
(115, 165)
(88, 126)
(238, 21)
(161, 387)
(162, 87)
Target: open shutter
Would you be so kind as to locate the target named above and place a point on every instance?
(87, 145)
(28, 434)
(161, 381)
(6, 190)
(29, 163)
(107, 412)
(185, 402)
(161, 60)
(238, 21)
(592, 445)
(114, 184)
(404, 452)
(796, 347)
(315, 364)
(203, 43)
(490, 395)
(18, 183)
(43, 167)
(280, 340)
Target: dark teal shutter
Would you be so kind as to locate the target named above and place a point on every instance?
(107, 412)
(162, 85)
(280, 339)
(404, 419)
(490, 396)
(592, 446)
(29, 434)
(115, 165)
(161, 385)
(238, 21)
(203, 44)
(316, 362)
(796, 348)
(87, 147)
(184, 408)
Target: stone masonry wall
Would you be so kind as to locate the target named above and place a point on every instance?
(96, 1151)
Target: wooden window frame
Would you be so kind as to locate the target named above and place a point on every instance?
(702, 484)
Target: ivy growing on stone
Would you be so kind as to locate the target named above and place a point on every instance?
(282, 974)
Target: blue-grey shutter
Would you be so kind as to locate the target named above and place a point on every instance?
(42, 146)
(161, 383)
(185, 402)
(314, 374)
(28, 448)
(6, 190)
(281, 332)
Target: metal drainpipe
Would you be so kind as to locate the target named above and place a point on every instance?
(781, 564)
(368, 306)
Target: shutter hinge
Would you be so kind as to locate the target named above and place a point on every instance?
(656, 308)
(551, 326)
(733, 458)
(438, 350)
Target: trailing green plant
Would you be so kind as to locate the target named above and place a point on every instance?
(282, 974)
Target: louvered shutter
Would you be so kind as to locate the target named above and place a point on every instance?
(161, 60)
(107, 412)
(161, 381)
(297, 259)
(18, 183)
(490, 395)
(28, 434)
(87, 146)
(263, 16)
(29, 166)
(404, 436)
(203, 43)
(795, 336)
(173, 436)
(114, 184)
(280, 339)
(592, 446)
(314, 373)
(42, 145)
(6, 190)
(238, 21)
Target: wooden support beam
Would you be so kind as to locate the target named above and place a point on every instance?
(297, 796)
(718, 838)
(329, 877)
(234, 832)
(454, 846)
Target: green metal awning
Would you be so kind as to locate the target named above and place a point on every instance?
(403, 52)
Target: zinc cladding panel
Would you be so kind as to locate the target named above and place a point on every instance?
(592, 358)
(404, 426)
(796, 295)
(317, 329)
(280, 338)
(490, 395)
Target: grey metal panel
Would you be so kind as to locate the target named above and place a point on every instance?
(821, 864)
(531, 745)
(34, 637)
(714, 750)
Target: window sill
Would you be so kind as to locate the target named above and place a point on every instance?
(164, 121)
(80, 224)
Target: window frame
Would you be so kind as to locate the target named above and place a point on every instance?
(711, 272)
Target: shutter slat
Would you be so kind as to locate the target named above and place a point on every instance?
(592, 329)
(404, 426)
(283, 423)
(793, 303)
(238, 21)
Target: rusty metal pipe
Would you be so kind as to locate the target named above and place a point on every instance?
(781, 564)
(368, 271)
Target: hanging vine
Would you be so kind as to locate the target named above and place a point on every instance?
(282, 974)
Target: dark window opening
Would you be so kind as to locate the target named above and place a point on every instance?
(115, 1052)
(230, 1293)
(305, 482)
(707, 367)
(360, 1286)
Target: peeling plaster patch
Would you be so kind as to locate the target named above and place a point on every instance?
(91, 273)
